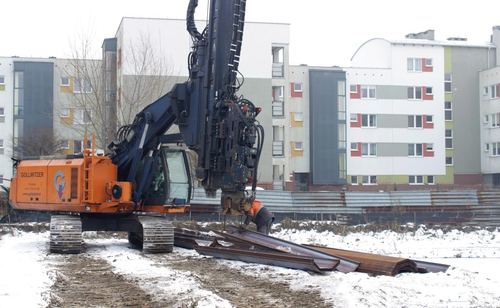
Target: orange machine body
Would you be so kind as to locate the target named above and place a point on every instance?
(74, 185)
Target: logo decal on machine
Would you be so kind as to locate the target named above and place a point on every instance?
(59, 187)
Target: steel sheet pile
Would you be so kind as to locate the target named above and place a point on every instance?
(254, 247)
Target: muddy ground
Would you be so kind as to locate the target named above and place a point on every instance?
(86, 281)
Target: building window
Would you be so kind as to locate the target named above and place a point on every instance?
(354, 179)
(64, 144)
(354, 117)
(297, 87)
(494, 120)
(447, 82)
(494, 91)
(2, 112)
(428, 62)
(64, 112)
(485, 91)
(449, 160)
(415, 149)
(448, 134)
(414, 65)
(496, 149)
(369, 149)
(486, 119)
(415, 121)
(280, 92)
(486, 147)
(342, 135)
(416, 179)
(298, 116)
(368, 120)
(1, 178)
(82, 85)
(430, 179)
(428, 91)
(65, 82)
(1, 143)
(2, 80)
(368, 92)
(369, 179)
(429, 147)
(414, 92)
(428, 119)
(353, 88)
(354, 146)
(82, 116)
(448, 111)
(298, 146)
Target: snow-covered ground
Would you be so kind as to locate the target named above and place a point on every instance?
(473, 280)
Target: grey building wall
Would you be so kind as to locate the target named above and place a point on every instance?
(392, 92)
(258, 91)
(38, 80)
(323, 87)
(392, 149)
(392, 121)
(466, 62)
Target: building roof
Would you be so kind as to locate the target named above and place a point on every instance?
(429, 43)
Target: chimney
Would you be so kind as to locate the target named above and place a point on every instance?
(495, 40)
(426, 35)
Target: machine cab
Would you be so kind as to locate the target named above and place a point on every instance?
(171, 181)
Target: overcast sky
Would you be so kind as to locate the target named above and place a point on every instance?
(323, 32)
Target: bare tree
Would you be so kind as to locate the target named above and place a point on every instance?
(40, 141)
(84, 69)
(146, 76)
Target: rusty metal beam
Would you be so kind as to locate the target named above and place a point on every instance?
(344, 266)
(430, 267)
(188, 238)
(268, 258)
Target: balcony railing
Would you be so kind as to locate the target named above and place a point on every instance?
(278, 109)
(278, 149)
(277, 69)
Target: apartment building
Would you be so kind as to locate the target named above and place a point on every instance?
(413, 110)
(166, 43)
(410, 112)
(489, 83)
(44, 100)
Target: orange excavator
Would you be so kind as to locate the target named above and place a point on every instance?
(146, 175)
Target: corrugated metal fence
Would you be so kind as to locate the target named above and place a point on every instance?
(456, 207)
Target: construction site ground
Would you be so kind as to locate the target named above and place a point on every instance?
(111, 274)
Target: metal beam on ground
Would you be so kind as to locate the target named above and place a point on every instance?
(344, 266)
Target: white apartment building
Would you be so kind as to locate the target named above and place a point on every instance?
(6, 118)
(413, 108)
(489, 83)
(263, 65)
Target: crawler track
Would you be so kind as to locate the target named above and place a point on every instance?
(157, 235)
(65, 234)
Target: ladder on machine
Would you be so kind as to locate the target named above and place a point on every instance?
(89, 161)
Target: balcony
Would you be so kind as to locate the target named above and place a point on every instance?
(278, 149)
(278, 109)
(278, 69)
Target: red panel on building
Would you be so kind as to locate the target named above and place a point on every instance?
(357, 95)
(425, 96)
(358, 122)
(428, 125)
(358, 152)
(427, 153)
(293, 93)
(426, 68)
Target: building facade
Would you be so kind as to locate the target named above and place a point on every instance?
(413, 108)
(167, 44)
